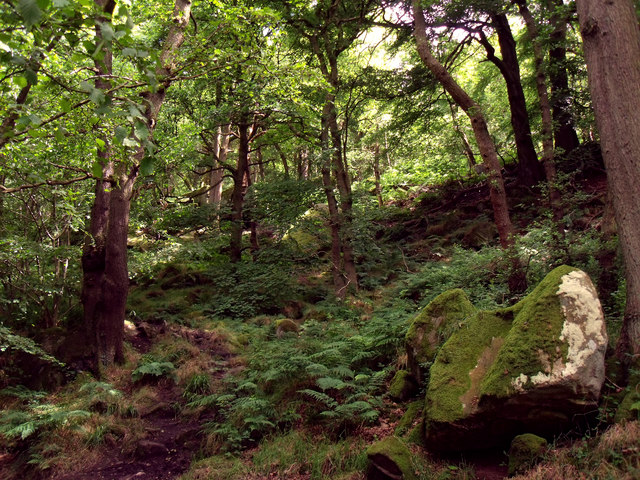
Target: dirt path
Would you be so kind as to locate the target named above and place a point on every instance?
(170, 442)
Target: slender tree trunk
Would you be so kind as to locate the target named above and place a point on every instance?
(283, 157)
(564, 133)
(466, 145)
(303, 164)
(376, 173)
(545, 109)
(530, 170)
(485, 143)
(612, 50)
(237, 196)
(343, 182)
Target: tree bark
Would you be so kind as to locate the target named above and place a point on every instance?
(530, 170)
(104, 261)
(548, 159)
(611, 40)
(485, 143)
(237, 195)
(564, 133)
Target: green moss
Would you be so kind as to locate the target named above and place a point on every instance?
(495, 347)
(450, 378)
(402, 385)
(629, 408)
(437, 321)
(525, 451)
(393, 456)
(534, 339)
(412, 412)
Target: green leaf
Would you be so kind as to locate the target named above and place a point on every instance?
(59, 134)
(20, 81)
(120, 134)
(31, 76)
(141, 130)
(96, 169)
(35, 119)
(65, 105)
(128, 52)
(30, 12)
(101, 143)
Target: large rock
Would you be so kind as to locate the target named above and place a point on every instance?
(432, 326)
(532, 367)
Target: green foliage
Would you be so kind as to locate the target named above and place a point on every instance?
(10, 342)
(150, 370)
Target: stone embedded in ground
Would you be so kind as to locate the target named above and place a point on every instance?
(533, 367)
(147, 448)
(525, 451)
(389, 459)
(433, 326)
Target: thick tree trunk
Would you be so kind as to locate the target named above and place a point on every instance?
(104, 261)
(564, 133)
(612, 48)
(530, 170)
(485, 143)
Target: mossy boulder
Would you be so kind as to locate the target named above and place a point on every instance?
(525, 451)
(402, 386)
(432, 326)
(528, 368)
(390, 459)
(629, 408)
(285, 325)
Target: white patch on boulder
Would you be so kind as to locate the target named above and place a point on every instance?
(585, 335)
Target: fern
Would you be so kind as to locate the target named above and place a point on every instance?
(154, 370)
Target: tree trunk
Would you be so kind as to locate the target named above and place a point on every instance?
(376, 173)
(497, 192)
(237, 196)
(105, 281)
(530, 170)
(612, 48)
(545, 109)
(343, 182)
(564, 133)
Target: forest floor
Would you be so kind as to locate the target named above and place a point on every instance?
(444, 233)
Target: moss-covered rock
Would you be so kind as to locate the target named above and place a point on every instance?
(414, 409)
(402, 386)
(525, 451)
(432, 326)
(629, 408)
(390, 459)
(285, 325)
(527, 368)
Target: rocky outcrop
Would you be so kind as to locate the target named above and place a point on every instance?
(532, 367)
